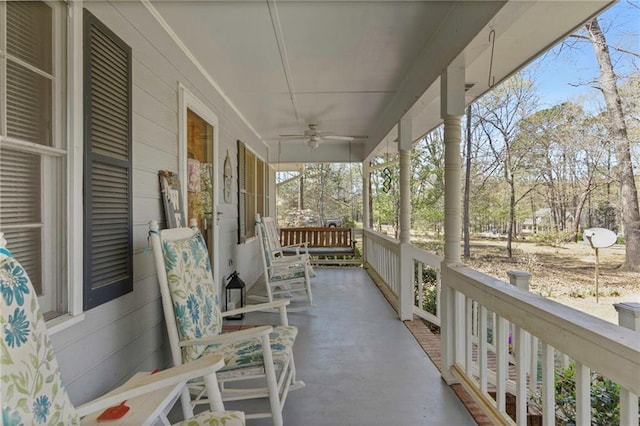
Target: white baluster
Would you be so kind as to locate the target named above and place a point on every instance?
(482, 349)
(502, 362)
(583, 394)
(548, 387)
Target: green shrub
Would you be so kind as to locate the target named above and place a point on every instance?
(429, 301)
(429, 290)
(605, 398)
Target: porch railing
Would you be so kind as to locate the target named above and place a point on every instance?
(384, 255)
(501, 339)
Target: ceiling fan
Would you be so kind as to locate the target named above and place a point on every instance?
(315, 136)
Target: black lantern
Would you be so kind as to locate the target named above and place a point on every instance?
(235, 289)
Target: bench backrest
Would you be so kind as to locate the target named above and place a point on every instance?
(317, 237)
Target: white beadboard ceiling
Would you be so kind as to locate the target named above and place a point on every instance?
(356, 67)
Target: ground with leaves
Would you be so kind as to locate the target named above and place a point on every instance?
(564, 272)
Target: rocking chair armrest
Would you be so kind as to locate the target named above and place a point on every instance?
(299, 245)
(276, 304)
(302, 249)
(152, 382)
(232, 336)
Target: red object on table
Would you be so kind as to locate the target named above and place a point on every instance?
(114, 413)
(118, 411)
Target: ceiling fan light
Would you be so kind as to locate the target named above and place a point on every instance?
(313, 143)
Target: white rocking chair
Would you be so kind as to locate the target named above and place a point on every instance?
(273, 238)
(286, 277)
(194, 324)
(32, 389)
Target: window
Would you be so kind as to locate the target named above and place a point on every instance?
(108, 254)
(253, 191)
(33, 150)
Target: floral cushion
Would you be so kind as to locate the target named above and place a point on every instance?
(310, 271)
(249, 352)
(290, 273)
(32, 390)
(193, 292)
(207, 418)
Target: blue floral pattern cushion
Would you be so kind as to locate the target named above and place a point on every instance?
(290, 273)
(193, 292)
(32, 390)
(225, 418)
(248, 352)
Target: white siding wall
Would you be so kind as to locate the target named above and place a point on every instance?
(127, 335)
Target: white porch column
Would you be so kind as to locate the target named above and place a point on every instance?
(406, 263)
(366, 178)
(404, 147)
(452, 193)
(628, 317)
(451, 109)
(366, 220)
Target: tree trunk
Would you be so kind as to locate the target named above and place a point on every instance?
(512, 216)
(576, 221)
(321, 200)
(628, 190)
(301, 193)
(467, 185)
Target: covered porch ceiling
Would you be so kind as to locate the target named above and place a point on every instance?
(356, 67)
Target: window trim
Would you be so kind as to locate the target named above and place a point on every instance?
(75, 170)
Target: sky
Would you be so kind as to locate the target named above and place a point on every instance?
(574, 62)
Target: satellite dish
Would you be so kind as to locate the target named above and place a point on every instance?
(599, 237)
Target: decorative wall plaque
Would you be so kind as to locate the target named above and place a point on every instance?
(228, 175)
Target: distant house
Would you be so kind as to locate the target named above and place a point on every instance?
(543, 222)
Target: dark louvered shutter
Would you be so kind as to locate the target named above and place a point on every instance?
(108, 264)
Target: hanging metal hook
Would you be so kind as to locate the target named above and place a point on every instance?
(492, 39)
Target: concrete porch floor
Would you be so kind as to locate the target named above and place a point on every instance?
(360, 363)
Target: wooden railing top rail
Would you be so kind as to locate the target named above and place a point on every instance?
(604, 347)
(416, 253)
(424, 256)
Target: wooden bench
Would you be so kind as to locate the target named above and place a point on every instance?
(321, 242)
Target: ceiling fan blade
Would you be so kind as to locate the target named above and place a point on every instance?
(338, 138)
(293, 136)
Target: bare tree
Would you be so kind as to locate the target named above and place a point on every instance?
(467, 188)
(501, 112)
(568, 152)
(622, 148)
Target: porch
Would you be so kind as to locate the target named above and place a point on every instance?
(497, 339)
(360, 364)
(268, 88)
